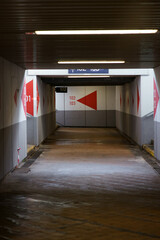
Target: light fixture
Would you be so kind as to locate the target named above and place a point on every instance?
(89, 76)
(96, 32)
(91, 62)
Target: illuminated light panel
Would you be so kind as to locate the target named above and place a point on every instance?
(91, 62)
(98, 32)
(89, 76)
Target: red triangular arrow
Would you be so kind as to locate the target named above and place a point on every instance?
(90, 100)
(138, 100)
(156, 98)
(30, 101)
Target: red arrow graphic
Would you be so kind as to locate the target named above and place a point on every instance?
(90, 100)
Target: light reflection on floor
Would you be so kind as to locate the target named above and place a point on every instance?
(87, 184)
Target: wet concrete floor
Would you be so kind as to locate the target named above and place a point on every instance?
(86, 184)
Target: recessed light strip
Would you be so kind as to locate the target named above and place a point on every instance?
(98, 32)
(89, 76)
(91, 62)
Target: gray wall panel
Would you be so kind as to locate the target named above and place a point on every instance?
(15, 142)
(75, 118)
(119, 120)
(88, 118)
(14, 137)
(135, 129)
(53, 121)
(38, 128)
(96, 118)
(8, 156)
(132, 130)
(138, 129)
(157, 139)
(148, 129)
(30, 130)
(49, 120)
(111, 118)
(1, 153)
(46, 125)
(41, 129)
(60, 117)
(126, 124)
(23, 139)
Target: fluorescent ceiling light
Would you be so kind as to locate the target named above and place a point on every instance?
(89, 76)
(91, 62)
(93, 32)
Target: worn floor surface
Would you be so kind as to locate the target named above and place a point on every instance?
(86, 184)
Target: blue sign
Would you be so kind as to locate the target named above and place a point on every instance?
(88, 71)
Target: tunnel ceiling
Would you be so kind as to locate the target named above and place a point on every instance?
(64, 81)
(31, 51)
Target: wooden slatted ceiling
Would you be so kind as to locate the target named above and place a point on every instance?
(20, 16)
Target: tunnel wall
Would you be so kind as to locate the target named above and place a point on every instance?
(134, 109)
(86, 107)
(13, 134)
(41, 117)
(157, 112)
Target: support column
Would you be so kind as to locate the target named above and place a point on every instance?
(13, 135)
(40, 110)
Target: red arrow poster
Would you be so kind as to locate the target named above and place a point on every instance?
(29, 98)
(156, 98)
(90, 100)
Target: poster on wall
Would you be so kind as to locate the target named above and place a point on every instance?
(90, 100)
(29, 98)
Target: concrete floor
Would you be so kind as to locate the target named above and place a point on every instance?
(86, 184)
